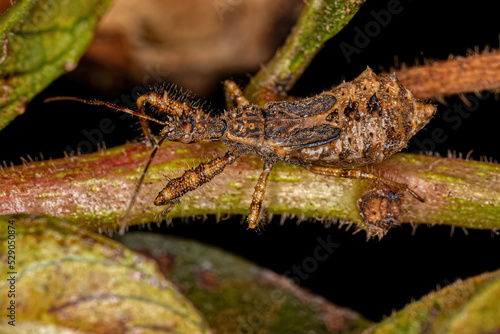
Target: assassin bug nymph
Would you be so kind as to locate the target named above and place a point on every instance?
(356, 123)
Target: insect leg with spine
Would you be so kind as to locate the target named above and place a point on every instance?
(359, 174)
(155, 100)
(234, 95)
(254, 216)
(192, 179)
(235, 98)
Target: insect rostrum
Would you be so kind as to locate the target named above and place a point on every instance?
(356, 123)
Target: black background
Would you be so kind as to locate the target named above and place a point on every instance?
(373, 277)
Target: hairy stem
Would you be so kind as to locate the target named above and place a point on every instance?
(323, 19)
(95, 189)
(474, 73)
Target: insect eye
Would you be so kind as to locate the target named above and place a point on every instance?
(186, 138)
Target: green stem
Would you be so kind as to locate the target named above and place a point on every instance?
(320, 20)
(95, 189)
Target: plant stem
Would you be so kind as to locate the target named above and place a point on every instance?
(320, 20)
(474, 73)
(95, 189)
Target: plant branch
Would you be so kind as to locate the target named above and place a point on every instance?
(320, 20)
(474, 73)
(95, 189)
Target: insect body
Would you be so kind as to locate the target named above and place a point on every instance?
(357, 123)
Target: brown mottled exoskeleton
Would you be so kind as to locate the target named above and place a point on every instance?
(356, 123)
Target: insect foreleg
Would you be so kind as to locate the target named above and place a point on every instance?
(192, 179)
(155, 100)
(258, 196)
(359, 174)
(234, 95)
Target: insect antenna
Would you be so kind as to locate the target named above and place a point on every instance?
(106, 104)
(123, 224)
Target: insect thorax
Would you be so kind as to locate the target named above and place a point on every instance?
(244, 129)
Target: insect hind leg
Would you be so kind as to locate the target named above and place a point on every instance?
(359, 174)
(255, 214)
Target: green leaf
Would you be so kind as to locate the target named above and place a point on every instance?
(237, 296)
(44, 40)
(72, 279)
(470, 306)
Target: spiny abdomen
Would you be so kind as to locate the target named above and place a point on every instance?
(376, 116)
